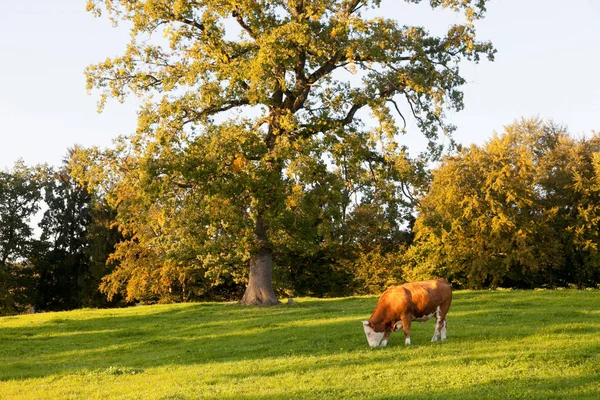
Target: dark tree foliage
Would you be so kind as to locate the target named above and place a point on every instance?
(62, 263)
(102, 236)
(76, 239)
(58, 264)
(19, 202)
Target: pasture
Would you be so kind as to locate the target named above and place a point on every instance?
(501, 345)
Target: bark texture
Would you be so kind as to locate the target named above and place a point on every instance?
(259, 291)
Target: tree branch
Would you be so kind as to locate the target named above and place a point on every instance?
(399, 113)
(215, 110)
(350, 116)
(353, 7)
(406, 193)
(243, 24)
(357, 106)
(299, 8)
(302, 88)
(326, 68)
(412, 109)
(192, 23)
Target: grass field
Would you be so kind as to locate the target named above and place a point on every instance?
(501, 345)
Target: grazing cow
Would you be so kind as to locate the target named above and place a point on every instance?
(399, 305)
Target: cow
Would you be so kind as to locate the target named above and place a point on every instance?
(399, 305)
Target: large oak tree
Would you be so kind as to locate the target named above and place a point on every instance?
(250, 129)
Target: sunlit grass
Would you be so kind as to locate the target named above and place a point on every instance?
(501, 345)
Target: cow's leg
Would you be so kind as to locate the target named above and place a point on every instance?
(406, 320)
(443, 311)
(384, 342)
(439, 323)
(444, 330)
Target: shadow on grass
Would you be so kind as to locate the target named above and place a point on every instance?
(113, 341)
(180, 334)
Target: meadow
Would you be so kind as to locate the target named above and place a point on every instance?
(501, 345)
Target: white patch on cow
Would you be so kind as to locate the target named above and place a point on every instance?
(374, 338)
(444, 331)
(407, 341)
(436, 334)
(383, 343)
(424, 318)
(439, 326)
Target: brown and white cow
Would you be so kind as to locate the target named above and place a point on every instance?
(399, 305)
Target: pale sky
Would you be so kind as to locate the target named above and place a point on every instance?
(547, 65)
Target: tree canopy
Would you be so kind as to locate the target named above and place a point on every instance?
(249, 143)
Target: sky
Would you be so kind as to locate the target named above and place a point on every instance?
(546, 66)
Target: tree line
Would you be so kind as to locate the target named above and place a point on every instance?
(55, 238)
(521, 210)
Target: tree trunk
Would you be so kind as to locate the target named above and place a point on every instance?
(259, 291)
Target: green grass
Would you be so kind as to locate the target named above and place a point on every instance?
(501, 345)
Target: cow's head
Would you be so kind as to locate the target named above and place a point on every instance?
(374, 338)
